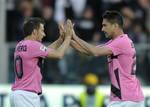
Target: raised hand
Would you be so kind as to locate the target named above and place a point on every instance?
(74, 34)
(69, 29)
(61, 32)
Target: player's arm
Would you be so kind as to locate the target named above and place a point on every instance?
(91, 49)
(60, 40)
(56, 44)
(59, 52)
(75, 45)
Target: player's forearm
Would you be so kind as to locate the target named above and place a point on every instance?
(56, 44)
(61, 50)
(78, 47)
(90, 49)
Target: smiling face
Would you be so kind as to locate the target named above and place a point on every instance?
(108, 28)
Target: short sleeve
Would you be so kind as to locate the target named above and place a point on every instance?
(116, 46)
(37, 49)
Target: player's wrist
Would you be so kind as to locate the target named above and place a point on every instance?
(60, 39)
(68, 37)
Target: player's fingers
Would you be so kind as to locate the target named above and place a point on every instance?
(73, 24)
(73, 41)
(73, 31)
(69, 23)
(61, 27)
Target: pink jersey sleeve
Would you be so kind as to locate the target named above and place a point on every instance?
(37, 49)
(117, 47)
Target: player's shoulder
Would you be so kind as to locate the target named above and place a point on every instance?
(31, 42)
(124, 39)
(126, 42)
(127, 39)
(19, 43)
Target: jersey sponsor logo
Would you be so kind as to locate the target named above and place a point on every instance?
(43, 48)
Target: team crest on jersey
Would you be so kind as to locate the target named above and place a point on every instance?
(43, 48)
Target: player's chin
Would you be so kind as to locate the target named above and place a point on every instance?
(106, 35)
(41, 39)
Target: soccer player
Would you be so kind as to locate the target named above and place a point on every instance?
(27, 56)
(125, 87)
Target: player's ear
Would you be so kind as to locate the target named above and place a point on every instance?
(116, 25)
(34, 32)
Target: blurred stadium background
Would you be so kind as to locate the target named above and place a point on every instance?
(68, 73)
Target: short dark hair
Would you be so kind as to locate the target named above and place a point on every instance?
(114, 17)
(30, 24)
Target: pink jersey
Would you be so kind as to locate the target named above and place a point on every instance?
(122, 67)
(26, 58)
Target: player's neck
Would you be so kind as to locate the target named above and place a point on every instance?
(30, 37)
(118, 33)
